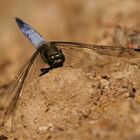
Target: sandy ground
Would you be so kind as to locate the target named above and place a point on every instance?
(91, 96)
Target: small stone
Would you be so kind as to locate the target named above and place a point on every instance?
(104, 83)
(43, 128)
(127, 94)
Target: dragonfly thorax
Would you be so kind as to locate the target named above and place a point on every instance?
(52, 55)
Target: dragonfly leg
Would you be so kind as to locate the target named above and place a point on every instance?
(45, 70)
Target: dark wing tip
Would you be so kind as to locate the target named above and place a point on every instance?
(19, 22)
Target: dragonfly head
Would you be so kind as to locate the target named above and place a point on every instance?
(56, 60)
(52, 55)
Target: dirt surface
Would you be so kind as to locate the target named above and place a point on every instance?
(91, 96)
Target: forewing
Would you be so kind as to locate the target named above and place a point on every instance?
(9, 97)
(79, 57)
(104, 50)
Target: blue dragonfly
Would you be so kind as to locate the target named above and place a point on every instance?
(52, 54)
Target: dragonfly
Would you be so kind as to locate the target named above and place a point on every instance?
(52, 54)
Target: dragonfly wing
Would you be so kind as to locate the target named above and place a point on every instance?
(78, 57)
(104, 50)
(10, 95)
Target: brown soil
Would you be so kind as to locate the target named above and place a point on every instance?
(91, 96)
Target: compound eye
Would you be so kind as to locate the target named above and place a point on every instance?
(52, 57)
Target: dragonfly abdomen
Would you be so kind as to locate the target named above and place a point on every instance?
(35, 38)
